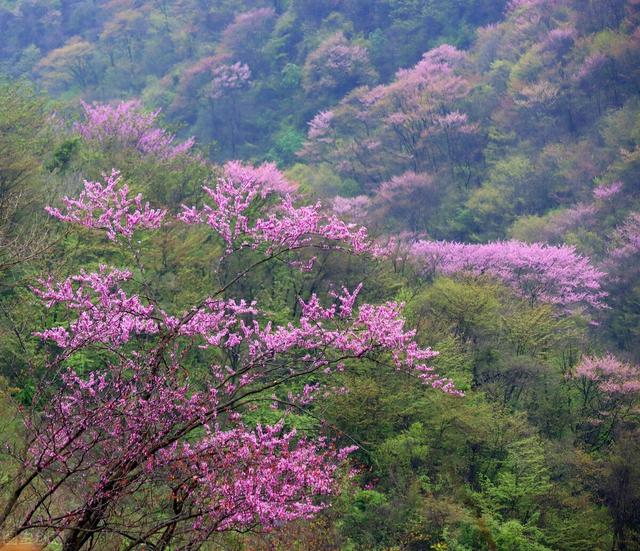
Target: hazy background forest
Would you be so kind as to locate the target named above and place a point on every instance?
(491, 148)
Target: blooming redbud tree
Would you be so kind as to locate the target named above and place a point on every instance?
(126, 124)
(227, 78)
(337, 66)
(412, 124)
(536, 271)
(609, 390)
(152, 447)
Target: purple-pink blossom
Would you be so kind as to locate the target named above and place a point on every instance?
(127, 125)
(108, 207)
(606, 191)
(538, 272)
(612, 376)
(227, 78)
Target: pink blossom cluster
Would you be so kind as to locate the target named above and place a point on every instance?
(264, 477)
(229, 77)
(435, 74)
(108, 207)
(628, 235)
(344, 57)
(538, 272)
(126, 124)
(241, 39)
(266, 177)
(337, 63)
(404, 186)
(232, 214)
(576, 215)
(606, 191)
(105, 313)
(591, 66)
(560, 39)
(253, 18)
(455, 120)
(353, 208)
(565, 220)
(245, 24)
(399, 125)
(320, 125)
(612, 376)
(125, 423)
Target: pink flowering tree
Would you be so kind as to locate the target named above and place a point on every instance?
(628, 235)
(623, 268)
(609, 396)
(228, 81)
(622, 262)
(408, 199)
(537, 272)
(229, 78)
(336, 67)
(151, 447)
(108, 207)
(126, 125)
(352, 208)
(605, 192)
(416, 123)
(246, 36)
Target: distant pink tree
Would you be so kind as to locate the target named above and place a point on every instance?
(266, 178)
(245, 36)
(610, 393)
(570, 219)
(611, 376)
(408, 199)
(194, 77)
(435, 72)
(559, 40)
(228, 78)
(412, 124)
(337, 66)
(320, 126)
(144, 451)
(623, 261)
(352, 208)
(606, 191)
(399, 187)
(591, 67)
(537, 272)
(127, 124)
(628, 237)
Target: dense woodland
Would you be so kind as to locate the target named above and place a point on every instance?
(238, 363)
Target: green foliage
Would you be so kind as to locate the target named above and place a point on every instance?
(466, 309)
(287, 142)
(63, 155)
(513, 536)
(521, 484)
(321, 181)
